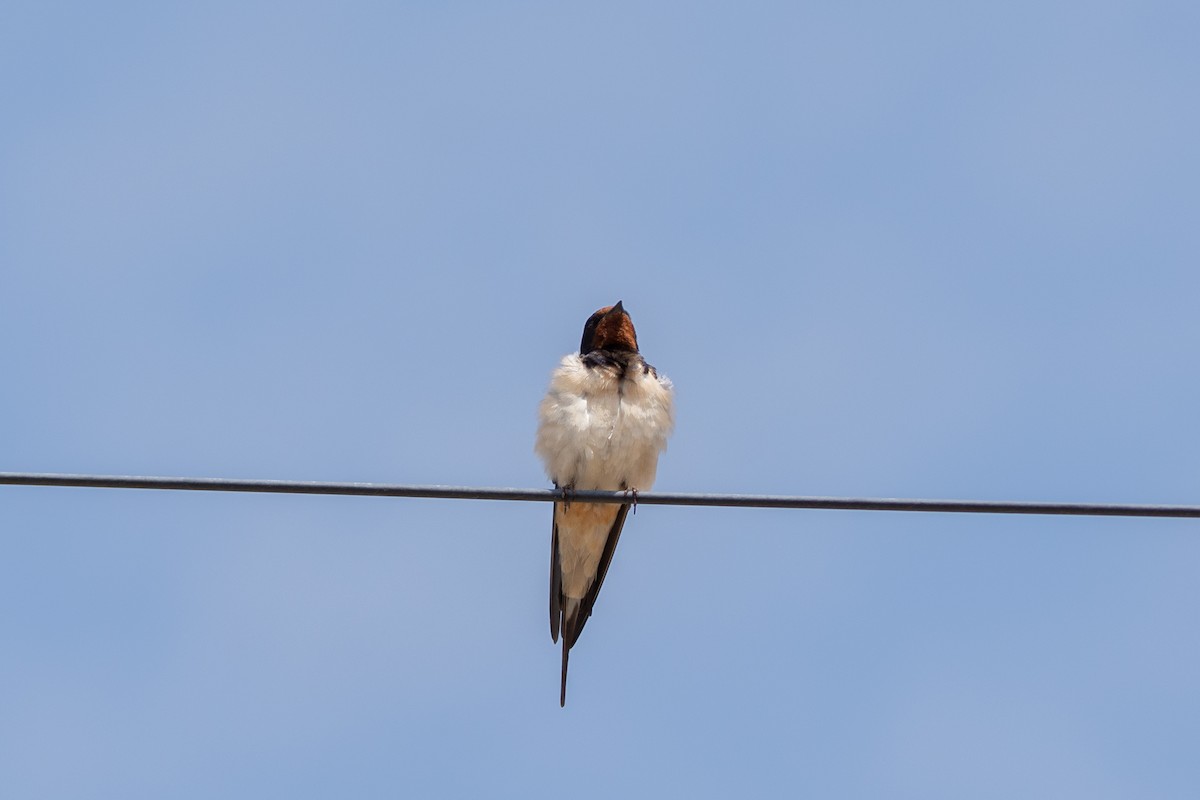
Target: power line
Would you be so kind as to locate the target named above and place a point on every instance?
(643, 498)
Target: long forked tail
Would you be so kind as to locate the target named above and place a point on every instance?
(562, 694)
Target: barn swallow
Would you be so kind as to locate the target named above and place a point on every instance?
(604, 421)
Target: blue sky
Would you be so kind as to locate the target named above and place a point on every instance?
(914, 250)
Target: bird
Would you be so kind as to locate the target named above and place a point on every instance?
(602, 425)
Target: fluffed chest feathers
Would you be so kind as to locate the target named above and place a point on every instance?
(603, 425)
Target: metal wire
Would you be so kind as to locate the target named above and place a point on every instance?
(643, 498)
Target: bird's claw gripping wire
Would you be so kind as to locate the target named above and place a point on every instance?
(568, 494)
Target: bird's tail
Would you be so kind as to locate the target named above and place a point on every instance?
(562, 694)
(572, 623)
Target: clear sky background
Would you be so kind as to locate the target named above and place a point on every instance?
(917, 250)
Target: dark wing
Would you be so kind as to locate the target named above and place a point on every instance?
(555, 576)
(573, 627)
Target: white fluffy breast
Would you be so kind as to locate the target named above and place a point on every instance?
(598, 431)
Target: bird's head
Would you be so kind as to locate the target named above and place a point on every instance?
(610, 328)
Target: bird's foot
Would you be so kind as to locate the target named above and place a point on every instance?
(632, 495)
(568, 494)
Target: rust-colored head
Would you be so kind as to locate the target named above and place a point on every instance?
(610, 328)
